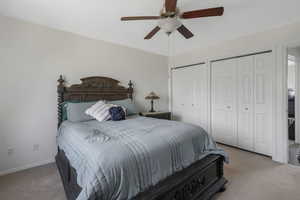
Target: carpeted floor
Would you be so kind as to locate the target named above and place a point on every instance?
(251, 177)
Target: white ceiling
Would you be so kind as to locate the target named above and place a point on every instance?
(100, 19)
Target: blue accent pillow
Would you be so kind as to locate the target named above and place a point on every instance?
(64, 109)
(128, 104)
(75, 111)
(117, 113)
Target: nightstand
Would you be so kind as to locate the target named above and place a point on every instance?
(157, 115)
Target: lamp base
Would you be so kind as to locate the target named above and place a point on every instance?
(152, 109)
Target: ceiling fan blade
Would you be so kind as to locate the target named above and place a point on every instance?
(171, 5)
(210, 12)
(140, 18)
(152, 33)
(185, 32)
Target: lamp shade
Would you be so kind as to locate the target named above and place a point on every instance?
(152, 96)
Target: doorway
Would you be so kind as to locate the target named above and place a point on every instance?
(293, 58)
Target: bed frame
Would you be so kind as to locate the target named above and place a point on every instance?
(199, 181)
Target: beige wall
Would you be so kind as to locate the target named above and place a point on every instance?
(31, 59)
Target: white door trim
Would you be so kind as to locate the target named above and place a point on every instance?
(297, 101)
(170, 86)
(280, 137)
(282, 95)
(208, 66)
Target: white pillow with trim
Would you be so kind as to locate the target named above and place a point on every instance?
(100, 111)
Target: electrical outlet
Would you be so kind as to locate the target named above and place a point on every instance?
(10, 151)
(36, 147)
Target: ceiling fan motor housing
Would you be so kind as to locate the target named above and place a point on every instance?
(169, 24)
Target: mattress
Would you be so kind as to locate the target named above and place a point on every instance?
(118, 160)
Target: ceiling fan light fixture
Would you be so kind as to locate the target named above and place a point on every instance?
(169, 19)
(169, 25)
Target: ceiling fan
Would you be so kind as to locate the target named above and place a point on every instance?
(169, 19)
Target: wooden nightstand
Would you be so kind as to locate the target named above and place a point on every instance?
(157, 115)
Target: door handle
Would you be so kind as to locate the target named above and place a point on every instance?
(246, 108)
(228, 107)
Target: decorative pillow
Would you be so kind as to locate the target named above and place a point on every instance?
(75, 111)
(128, 104)
(117, 113)
(100, 111)
(64, 109)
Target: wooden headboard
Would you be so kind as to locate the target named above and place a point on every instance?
(91, 89)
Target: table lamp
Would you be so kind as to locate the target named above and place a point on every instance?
(152, 96)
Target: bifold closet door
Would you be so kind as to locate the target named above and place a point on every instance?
(190, 94)
(242, 102)
(245, 98)
(180, 94)
(263, 103)
(200, 94)
(224, 123)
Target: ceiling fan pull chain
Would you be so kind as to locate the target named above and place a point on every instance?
(171, 49)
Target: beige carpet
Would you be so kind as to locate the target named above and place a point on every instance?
(251, 177)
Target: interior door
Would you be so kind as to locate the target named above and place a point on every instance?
(245, 96)
(224, 101)
(263, 103)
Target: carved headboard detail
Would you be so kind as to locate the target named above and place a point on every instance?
(91, 89)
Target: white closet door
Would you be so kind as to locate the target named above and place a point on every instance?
(190, 95)
(182, 95)
(245, 103)
(224, 101)
(263, 104)
(200, 92)
(178, 93)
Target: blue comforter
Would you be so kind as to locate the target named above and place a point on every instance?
(117, 160)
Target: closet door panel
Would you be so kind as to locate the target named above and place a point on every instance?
(263, 104)
(224, 101)
(176, 102)
(199, 104)
(188, 115)
(190, 95)
(177, 78)
(245, 103)
(178, 94)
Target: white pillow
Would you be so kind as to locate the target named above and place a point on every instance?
(100, 111)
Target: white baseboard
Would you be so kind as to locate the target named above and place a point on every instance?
(21, 168)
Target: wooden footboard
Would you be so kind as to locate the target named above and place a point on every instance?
(199, 181)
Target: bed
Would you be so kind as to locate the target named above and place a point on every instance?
(194, 174)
